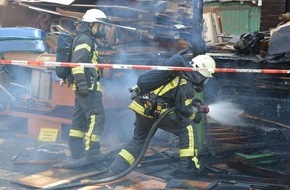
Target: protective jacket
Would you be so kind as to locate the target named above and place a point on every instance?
(85, 51)
(88, 118)
(178, 93)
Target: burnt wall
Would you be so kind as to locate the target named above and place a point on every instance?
(261, 95)
(270, 12)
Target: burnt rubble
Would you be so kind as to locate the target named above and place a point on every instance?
(252, 154)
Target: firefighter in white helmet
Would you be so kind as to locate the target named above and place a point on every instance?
(88, 119)
(179, 92)
(204, 62)
(205, 66)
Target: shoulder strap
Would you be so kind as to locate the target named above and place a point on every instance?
(177, 88)
(178, 84)
(93, 43)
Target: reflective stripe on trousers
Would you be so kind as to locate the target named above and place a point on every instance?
(127, 156)
(190, 151)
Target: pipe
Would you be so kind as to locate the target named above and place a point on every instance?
(128, 170)
(140, 67)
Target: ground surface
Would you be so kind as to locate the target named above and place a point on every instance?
(15, 146)
(19, 155)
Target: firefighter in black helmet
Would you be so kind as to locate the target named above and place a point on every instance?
(88, 118)
(178, 93)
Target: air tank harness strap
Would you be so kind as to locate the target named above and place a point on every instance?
(154, 105)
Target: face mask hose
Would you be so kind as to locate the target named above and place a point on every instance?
(126, 172)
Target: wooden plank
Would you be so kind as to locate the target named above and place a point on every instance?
(245, 115)
(54, 177)
(74, 178)
(70, 14)
(42, 179)
(216, 22)
(224, 167)
(196, 184)
(210, 29)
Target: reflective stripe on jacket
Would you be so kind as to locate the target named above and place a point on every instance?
(179, 93)
(85, 51)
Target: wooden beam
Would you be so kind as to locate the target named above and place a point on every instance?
(264, 120)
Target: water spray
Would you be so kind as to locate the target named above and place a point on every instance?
(226, 113)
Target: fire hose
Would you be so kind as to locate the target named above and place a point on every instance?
(140, 67)
(128, 170)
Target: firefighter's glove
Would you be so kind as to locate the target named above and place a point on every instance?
(82, 85)
(197, 118)
(197, 103)
(199, 106)
(134, 92)
(198, 88)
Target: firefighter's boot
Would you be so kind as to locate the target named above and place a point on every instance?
(186, 170)
(89, 159)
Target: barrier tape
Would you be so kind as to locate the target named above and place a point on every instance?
(140, 67)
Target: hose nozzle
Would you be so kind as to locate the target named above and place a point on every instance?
(204, 109)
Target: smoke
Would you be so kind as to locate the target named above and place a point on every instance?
(119, 118)
(133, 47)
(119, 129)
(226, 113)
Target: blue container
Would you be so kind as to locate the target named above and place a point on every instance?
(35, 46)
(25, 33)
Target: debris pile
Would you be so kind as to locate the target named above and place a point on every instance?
(249, 155)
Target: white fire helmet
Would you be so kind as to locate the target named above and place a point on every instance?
(204, 62)
(94, 15)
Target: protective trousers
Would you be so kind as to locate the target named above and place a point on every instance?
(131, 151)
(87, 125)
